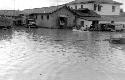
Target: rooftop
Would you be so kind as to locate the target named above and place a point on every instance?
(95, 1)
(41, 10)
(85, 13)
(79, 12)
(10, 12)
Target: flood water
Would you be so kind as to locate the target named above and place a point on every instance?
(52, 54)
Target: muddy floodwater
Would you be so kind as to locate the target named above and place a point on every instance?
(52, 54)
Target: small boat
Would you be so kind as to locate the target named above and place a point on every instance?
(118, 40)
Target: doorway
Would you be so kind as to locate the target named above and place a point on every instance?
(62, 22)
(82, 23)
(95, 24)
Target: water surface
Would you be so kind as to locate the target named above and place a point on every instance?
(52, 54)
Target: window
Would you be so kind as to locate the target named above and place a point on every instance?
(81, 6)
(36, 16)
(71, 7)
(99, 7)
(113, 8)
(95, 6)
(112, 21)
(75, 7)
(41, 16)
(47, 17)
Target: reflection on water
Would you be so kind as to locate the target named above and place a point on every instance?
(45, 54)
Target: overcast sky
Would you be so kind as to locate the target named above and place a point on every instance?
(29, 4)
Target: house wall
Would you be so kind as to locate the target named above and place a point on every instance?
(104, 22)
(88, 23)
(44, 22)
(89, 6)
(53, 19)
(106, 8)
(65, 12)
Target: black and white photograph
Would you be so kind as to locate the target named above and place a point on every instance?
(62, 39)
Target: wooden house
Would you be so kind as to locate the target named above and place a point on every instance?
(63, 17)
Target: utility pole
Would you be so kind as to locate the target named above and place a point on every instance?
(14, 8)
(14, 4)
(57, 3)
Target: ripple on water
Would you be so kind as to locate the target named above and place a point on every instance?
(44, 54)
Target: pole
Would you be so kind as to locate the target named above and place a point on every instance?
(14, 9)
(57, 3)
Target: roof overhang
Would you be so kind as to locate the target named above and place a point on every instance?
(91, 18)
(97, 2)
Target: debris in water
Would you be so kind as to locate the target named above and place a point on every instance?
(80, 40)
(58, 40)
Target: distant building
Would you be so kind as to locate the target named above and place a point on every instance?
(78, 12)
(64, 17)
(10, 13)
(14, 15)
(108, 9)
(101, 7)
